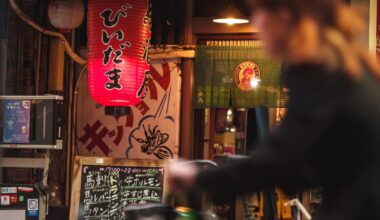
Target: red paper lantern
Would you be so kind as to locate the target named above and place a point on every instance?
(118, 40)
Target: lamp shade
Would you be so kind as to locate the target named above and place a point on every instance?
(118, 40)
(66, 14)
(231, 15)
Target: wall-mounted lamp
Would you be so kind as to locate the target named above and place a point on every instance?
(231, 15)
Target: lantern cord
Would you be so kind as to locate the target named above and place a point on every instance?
(75, 109)
(36, 26)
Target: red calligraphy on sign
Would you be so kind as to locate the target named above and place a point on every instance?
(95, 138)
(163, 79)
(155, 76)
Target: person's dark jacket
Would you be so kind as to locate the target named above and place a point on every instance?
(330, 137)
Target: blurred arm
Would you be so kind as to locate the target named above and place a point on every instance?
(282, 158)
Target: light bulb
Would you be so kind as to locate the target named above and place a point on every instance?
(231, 21)
(255, 82)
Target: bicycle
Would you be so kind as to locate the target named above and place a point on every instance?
(167, 212)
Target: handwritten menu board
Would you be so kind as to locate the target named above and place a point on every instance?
(316, 195)
(107, 185)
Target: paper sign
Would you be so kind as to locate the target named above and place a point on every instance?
(33, 204)
(14, 199)
(5, 200)
(8, 190)
(32, 210)
(16, 121)
(25, 189)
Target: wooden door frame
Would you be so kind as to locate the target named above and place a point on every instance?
(193, 35)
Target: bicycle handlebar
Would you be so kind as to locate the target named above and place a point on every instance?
(200, 162)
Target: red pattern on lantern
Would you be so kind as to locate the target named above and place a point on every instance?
(118, 39)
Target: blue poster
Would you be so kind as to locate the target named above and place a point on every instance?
(16, 121)
(32, 209)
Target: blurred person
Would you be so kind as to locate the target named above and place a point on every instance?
(330, 136)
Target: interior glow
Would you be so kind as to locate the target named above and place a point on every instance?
(255, 82)
(231, 21)
(183, 209)
(120, 100)
(229, 112)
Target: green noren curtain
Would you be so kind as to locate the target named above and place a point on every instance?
(214, 78)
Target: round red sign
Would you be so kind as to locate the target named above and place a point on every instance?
(245, 74)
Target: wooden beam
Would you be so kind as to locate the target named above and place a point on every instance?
(186, 132)
(22, 162)
(172, 54)
(373, 14)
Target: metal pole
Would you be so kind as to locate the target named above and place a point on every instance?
(44, 203)
(3, 56)
(3, 64)
(3, 44)
(300, 207)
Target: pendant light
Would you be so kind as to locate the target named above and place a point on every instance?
(231, 15)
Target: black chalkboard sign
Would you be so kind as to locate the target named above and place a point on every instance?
(316, 196)
(107, 186)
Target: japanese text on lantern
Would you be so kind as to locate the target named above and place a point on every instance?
(118, 41)
(110, 20)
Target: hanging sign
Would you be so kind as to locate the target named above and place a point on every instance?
(118, 39)
(246, 73)
(151, 131)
